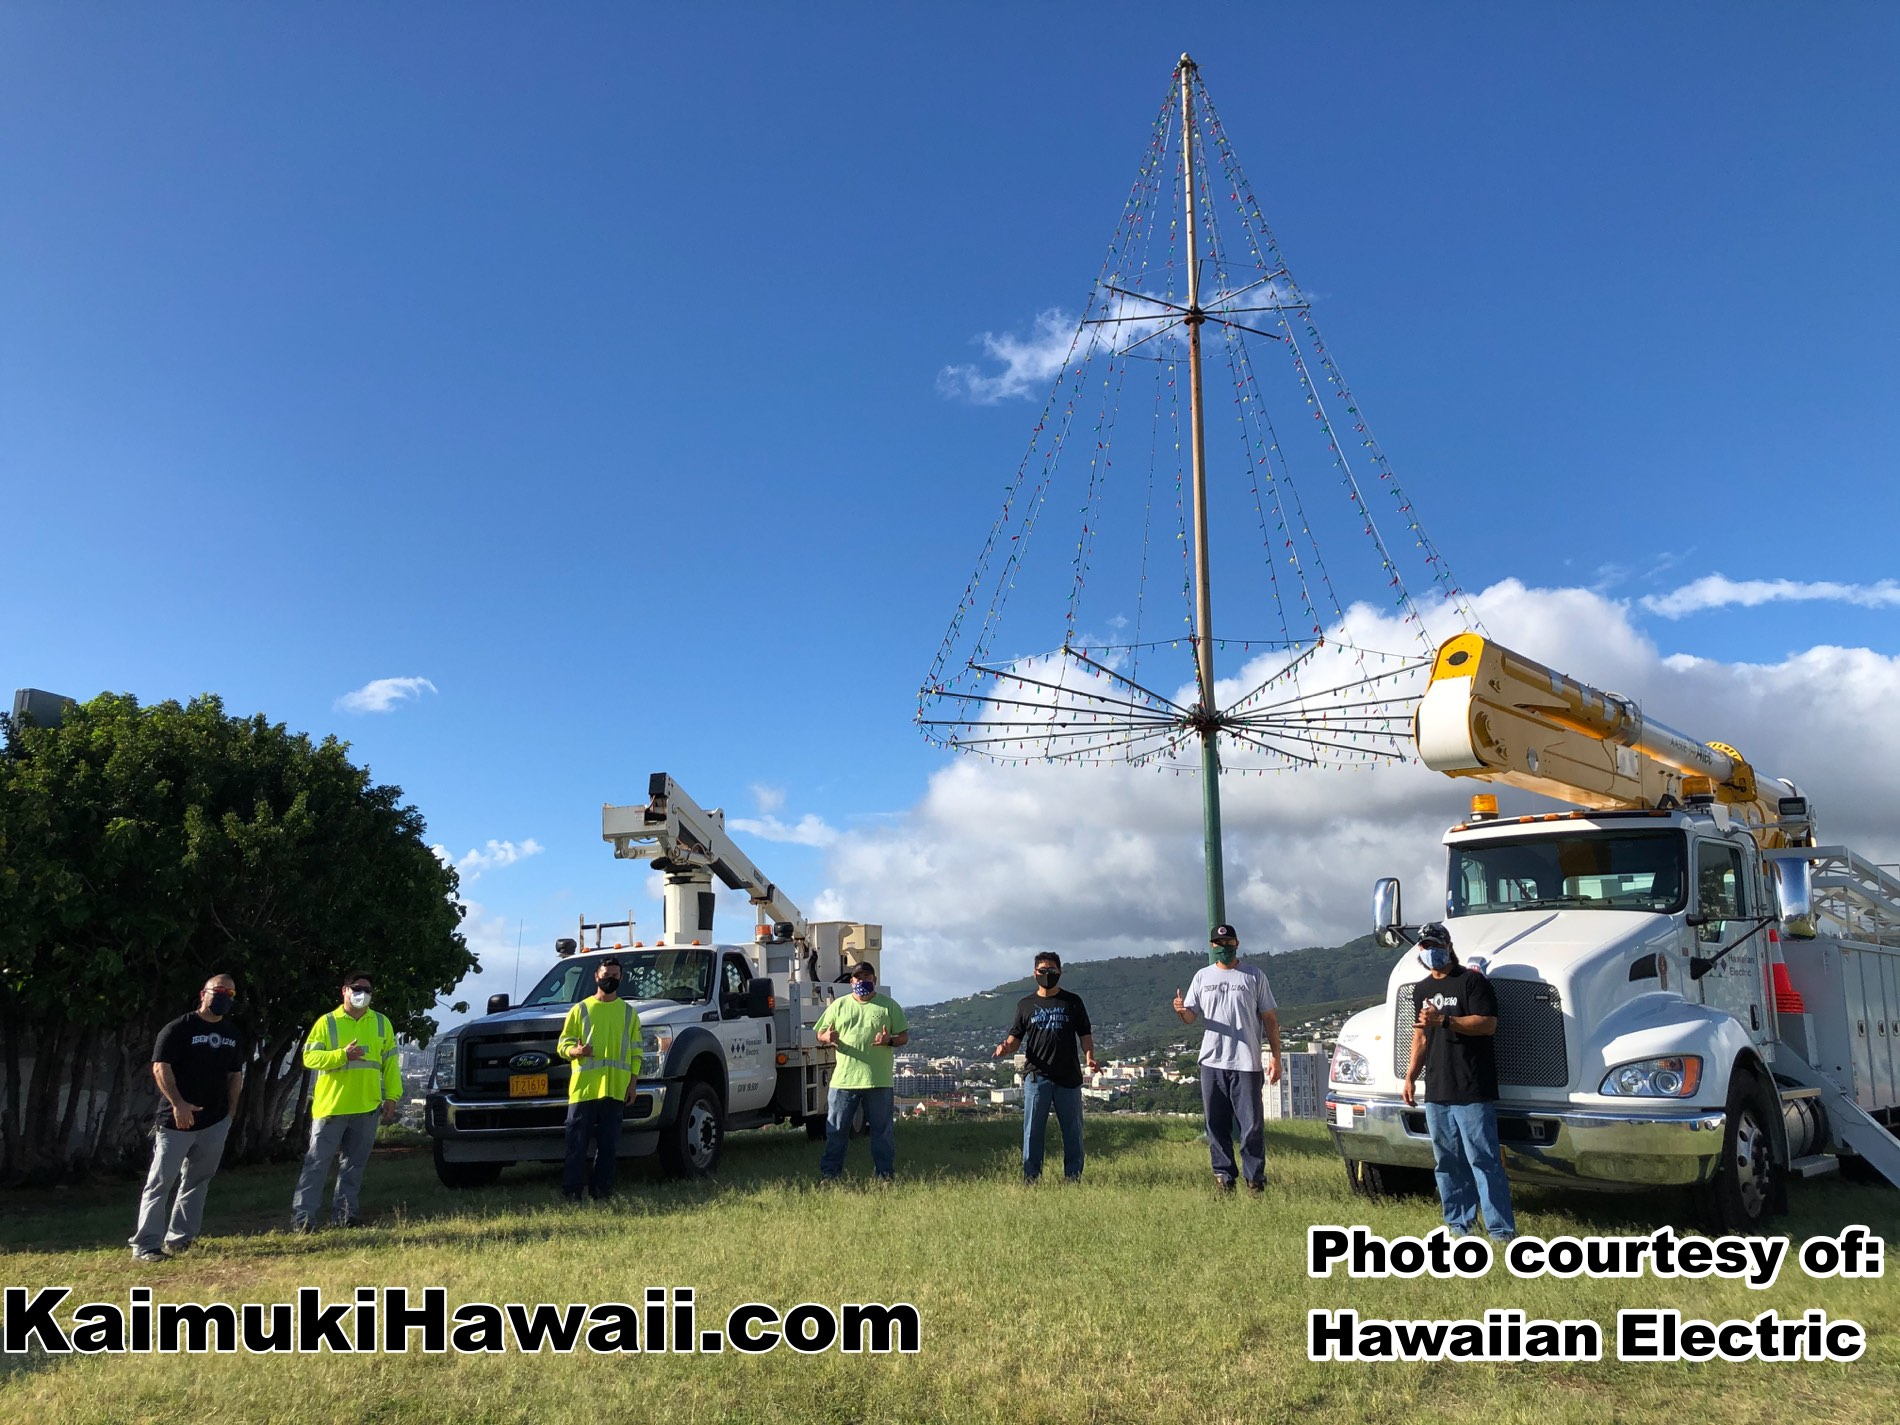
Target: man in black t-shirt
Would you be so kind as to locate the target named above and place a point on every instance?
(1455, 1045)
(1050, 1025)
(198, 1063)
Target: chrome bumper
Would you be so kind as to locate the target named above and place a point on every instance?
(1591, 1148)
(527, 1130)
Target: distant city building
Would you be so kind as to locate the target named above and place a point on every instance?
(1301, 1092)
(925, 1084)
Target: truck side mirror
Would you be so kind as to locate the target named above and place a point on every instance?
(497, 1003)
(759, 1000)
(1386, 914)
(1794, 897)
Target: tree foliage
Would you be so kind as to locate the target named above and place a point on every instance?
(145, 848)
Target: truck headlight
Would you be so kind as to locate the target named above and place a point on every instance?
(1350, 1067)
(446, 1053)
(1654, 1078)
(653, 1047)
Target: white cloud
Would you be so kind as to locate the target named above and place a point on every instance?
(996, 862)
(493, 857)
(809, 830)
(1716, 591)
(1028, 363)
(768, 797)
(382, 694)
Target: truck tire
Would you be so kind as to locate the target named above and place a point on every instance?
(1741, 1195)
(465, 1175)
(815, 1127)
(1387, 1180)
(689, 1146)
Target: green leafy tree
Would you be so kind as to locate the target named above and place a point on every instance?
(145, 848)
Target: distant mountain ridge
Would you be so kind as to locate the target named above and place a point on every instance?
(1130, 998)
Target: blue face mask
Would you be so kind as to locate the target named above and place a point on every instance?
(1434, 957)
(863, 989)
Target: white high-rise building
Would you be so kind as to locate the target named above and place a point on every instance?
(1301, 1092)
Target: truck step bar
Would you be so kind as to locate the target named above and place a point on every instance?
(1853, 1126)
(1815, 1165)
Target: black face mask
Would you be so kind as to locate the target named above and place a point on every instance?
(221, 1003)
(1047, 978)
(610, 985)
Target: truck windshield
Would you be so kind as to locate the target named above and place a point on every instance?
(681, 975)
(1601, 870)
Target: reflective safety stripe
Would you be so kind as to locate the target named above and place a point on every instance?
(376, 1065)
(585, 1064)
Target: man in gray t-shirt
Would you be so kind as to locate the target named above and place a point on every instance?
(1237, 1004)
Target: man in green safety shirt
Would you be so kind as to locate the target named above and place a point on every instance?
(359, 1084)
(864, 1028)
(601, 1039)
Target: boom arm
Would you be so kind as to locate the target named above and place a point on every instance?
(689, 846)
(1501, 717)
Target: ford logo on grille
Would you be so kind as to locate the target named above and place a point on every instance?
(529, 1061)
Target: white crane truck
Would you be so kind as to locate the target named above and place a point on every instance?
(728, 1029)
(1691, 991)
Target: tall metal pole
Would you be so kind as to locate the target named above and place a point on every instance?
(1203, 595)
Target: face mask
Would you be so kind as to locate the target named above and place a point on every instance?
(1047, 978)
(221, 1002)
(610, 985)
(1434, 957)
(1225, 954)
(359, 999)
(863, 989)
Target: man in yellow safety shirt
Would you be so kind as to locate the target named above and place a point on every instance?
(601, 1038)
(359, 1084)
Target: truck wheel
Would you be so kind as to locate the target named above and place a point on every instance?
(815, 1127)
(1386, 1180)
(464, 1175)
(689, 1148)
(1738, 1198)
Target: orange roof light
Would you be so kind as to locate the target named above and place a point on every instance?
(1484, 806)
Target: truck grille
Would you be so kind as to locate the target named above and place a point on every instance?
(486, 1070)
(1531, 1049)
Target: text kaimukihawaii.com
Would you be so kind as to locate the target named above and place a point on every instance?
(393, 1319)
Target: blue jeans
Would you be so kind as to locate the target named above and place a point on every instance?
(1231, 1100)
(1470, 1169)
(597, 1120)
(1039, 1096)
(879, 1117)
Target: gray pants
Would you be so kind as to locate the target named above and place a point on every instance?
(347, 1137)
(190, 1156)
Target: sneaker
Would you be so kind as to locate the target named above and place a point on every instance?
(303, 1227)
(1258, 1187)
(349, 1222)
(148, 1254)
(183, 1244)
(1223, 1185)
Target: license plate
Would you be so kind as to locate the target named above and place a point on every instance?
(1342, 1114)
(527, 1086)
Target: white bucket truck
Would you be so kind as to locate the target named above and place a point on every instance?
(1691, 991)
(728, 1029)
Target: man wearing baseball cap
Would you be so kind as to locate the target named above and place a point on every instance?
(864, 1027)
(1455, 1044)
(1238, 1005)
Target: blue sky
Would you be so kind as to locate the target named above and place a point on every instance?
(586, 361)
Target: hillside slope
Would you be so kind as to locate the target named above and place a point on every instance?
(1130, 998)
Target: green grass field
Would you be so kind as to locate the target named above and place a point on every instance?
(1138, 1296)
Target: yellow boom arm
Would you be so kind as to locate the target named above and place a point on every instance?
(1499, 716)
